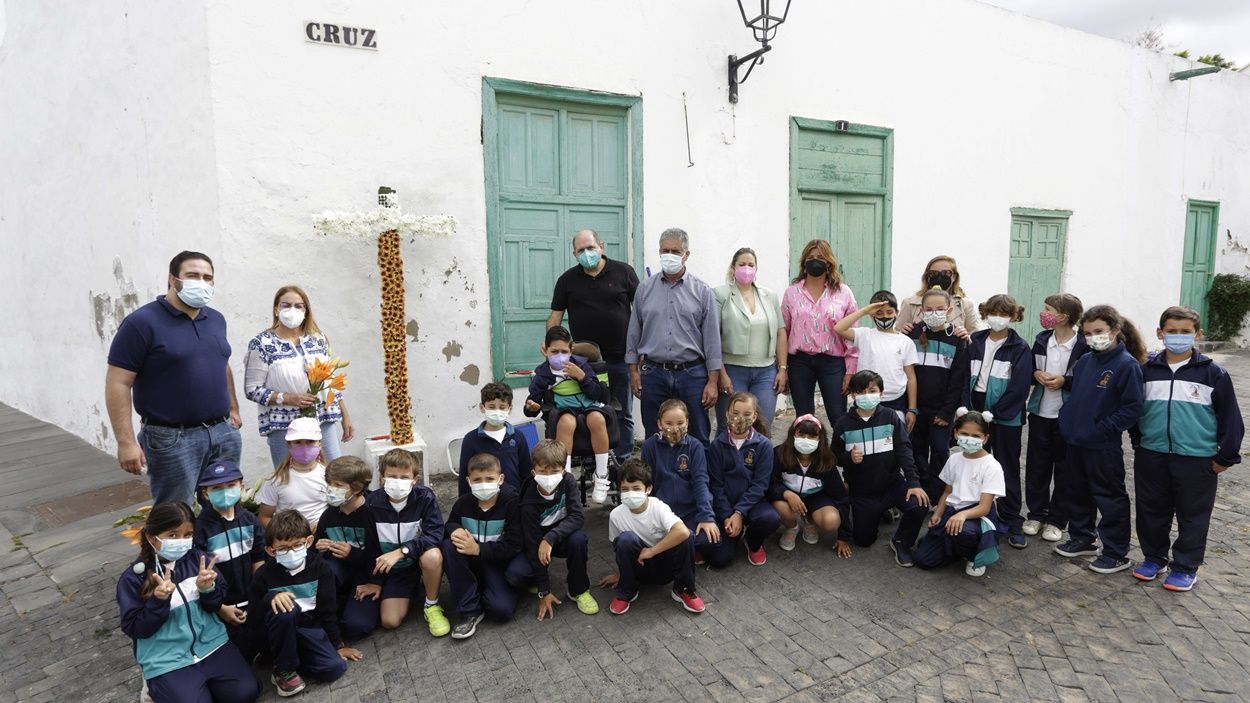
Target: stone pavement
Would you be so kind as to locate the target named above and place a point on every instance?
(805, 627)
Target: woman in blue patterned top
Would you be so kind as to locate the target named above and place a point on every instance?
(275, 376)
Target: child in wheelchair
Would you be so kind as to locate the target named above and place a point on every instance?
(572, 394)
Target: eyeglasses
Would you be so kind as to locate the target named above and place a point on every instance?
(288, 306)
(288, 550)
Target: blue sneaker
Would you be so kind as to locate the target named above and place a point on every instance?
(1107, 564)
(902, 555)
(1180, 581)
(1147, 571)
(1018, 541)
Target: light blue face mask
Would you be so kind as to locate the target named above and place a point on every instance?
(970, 445)
(174, 549)
(195, 293)
(226, 498)
(589, 258)
(868, 401)
(1178, 343)
(292, 558)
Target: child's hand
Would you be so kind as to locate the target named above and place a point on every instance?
(960, 332)
(1218, 469)
(955, 525)
(920, 496)
(795, 502)
(546, 606)
(369, 591)
(710, 529)
(870, 308)
(232, 615)
(935, 517)
(322, 545)
(857, 455)
(387, 561)
(531, 406)
(465, 544)
(340, 550)
(733, 525)
(609, 581)
(645, 554)
(906, 327)
(283, 602)
(1054, 383)
(544, 553)
(911, 421)
(574, 371)
(163, 588)
(351, 654)
(207, 577)
(940, 422)
(843, 548)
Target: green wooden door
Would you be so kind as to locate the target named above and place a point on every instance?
(840, 191)
(1035, 268)
(1198, 267)
(559, 167)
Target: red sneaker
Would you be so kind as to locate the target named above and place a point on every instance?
(689, 600)
(620, 606)
(288, 683)
(699, 559)
(758, 557)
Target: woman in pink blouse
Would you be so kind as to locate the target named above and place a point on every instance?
(810, 308)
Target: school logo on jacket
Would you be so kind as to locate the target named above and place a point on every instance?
(749, 460)
(1194, 394)
(683, 463)
(1105, 380)
(888, 442)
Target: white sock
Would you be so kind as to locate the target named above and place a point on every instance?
(568, 464)
(429, 602)
(601, 465)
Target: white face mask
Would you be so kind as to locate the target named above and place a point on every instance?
(805, 446)
(633, 499)
(336, 496)
(484, 491)
(397, 489)
(548, 482)
(195, 293)
(670, 263)
(998, 323)
(1098, 342)
(291, 318)
(495, 417)
(935, 319)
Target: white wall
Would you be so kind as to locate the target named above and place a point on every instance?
(990, 110)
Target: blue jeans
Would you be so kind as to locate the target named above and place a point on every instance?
(330, 446)
(618, 384)
(176, 457)
(658, 385)
(809, 370)
(757, 380)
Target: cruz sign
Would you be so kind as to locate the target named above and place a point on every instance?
(326, 33)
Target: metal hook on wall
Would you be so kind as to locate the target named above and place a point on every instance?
(686, 112)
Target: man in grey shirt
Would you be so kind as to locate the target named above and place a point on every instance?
(673, 347)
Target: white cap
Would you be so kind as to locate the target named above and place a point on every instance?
(303, 428)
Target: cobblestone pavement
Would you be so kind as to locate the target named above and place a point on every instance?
(804, 627)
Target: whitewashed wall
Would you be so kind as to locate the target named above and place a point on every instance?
(990, 110)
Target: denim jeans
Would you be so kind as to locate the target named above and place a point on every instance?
(658, 385)
(176, 457)
(330, 446)
(618, 384)
(809, 370)
(754, 379)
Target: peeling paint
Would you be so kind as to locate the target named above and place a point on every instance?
(471, 375)
(473, 305)
(413, 329)
(109, 311)
(453, 348)
(468, 323)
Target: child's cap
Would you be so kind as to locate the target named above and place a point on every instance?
(219, 472)
(304, 428)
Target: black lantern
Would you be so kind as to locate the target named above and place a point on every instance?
(764, 26)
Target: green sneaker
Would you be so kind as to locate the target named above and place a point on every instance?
(437, 621)
(532, 590)
(586, 603)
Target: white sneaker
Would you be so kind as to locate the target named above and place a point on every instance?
(1050, 533)
(1032, 527)
(144, 696)
(600, 492)
(810, 535)
(973, 570)
(787, 539)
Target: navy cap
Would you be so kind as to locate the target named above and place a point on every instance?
(220, 472)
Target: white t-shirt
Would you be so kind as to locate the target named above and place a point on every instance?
(887, 353)
(496, 435)
(305, 491)
(650, 525)
(969, 478)
(987, 363)
(1057, 356)
(1178, 364)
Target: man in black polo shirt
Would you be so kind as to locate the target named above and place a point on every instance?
(173, 355)
(598, 293)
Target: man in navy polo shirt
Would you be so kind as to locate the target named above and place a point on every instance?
(172, 354)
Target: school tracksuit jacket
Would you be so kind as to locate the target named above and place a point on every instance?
(1045, 457)
(1006, 391)
(941, 373)
(739, 478)
(352, 529)
(1192, 412)
(806, 482)
(558, 521)
(679, 477)
(1079, 349)
(498, 534)
(874, 480)
(173, 633)
(308, 638)
(513, 454)
(237, 544)
(417, 526)
(568, 393)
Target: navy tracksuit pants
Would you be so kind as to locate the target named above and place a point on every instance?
(1167, 486)
(1005, 445)
(574, 551)
(478, 586)
(1045, 461)
(931, 447)
(866, 512)
(307, 650)
(759, 522)
(357, 619)
(222, 676)
(676, 565)
(1096, 486)
(937, 548)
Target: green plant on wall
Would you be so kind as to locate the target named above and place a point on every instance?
(1229, 301)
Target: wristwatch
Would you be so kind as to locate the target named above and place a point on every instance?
(281, 399)
(542, 594)
(913, 411)
(782, 367)
(404, 550)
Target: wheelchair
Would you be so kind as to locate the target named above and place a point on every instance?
(582, 453)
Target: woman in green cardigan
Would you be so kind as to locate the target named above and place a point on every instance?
(753, 339)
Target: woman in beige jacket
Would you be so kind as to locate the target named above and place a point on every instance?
(753, 339)
(941, 272)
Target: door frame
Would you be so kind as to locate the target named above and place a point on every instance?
(492, 88)
(886, 192)
(1214, 206)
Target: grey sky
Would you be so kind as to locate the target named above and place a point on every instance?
(1202, 26)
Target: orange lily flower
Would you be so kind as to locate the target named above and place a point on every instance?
(132, 534)
(329, 398)
(319, 371)
(339, 382)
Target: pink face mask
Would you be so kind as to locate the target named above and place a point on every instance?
(745, 275)
(304, 454)
(1048, 319)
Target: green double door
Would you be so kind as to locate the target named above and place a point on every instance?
(1198, 261)
(1035, 266)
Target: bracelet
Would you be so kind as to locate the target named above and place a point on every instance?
(913, 411)
(281, 399)
(782, 367)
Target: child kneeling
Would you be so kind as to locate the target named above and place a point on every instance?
(958, 528)
(652, 544)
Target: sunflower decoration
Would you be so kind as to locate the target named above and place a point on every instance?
(324, 375)
(394, 339)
